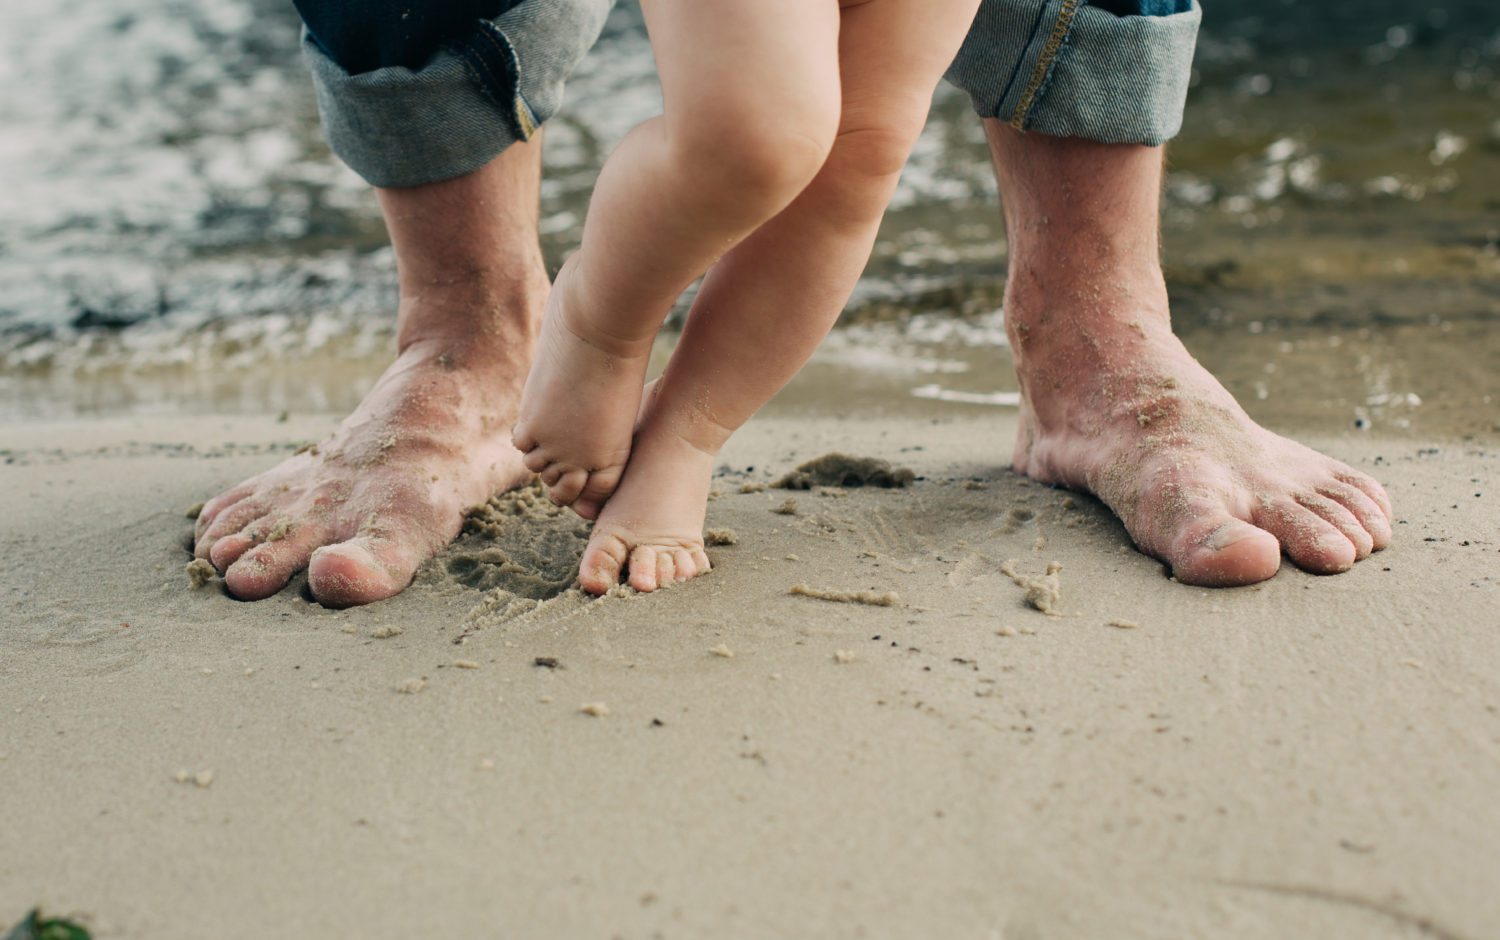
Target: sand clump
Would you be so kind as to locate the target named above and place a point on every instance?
(837, 469)
(872, 598)
(200, 572)
(1042, 592)
(594, 709)
(721, 537)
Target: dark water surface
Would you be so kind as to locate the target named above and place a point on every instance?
(174, 236)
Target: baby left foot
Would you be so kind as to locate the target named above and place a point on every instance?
(652, 527)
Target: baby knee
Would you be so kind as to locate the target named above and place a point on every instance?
(763, 152)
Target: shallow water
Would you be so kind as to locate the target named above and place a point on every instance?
(174, 236)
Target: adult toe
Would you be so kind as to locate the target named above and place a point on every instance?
(1372, 517)
(1309, 540)
(229, 522)
(229, 549)
(266, 568)
(361, 570)
(1219, 550)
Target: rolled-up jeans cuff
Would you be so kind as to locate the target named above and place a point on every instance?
(397, 126)
(1065, 68)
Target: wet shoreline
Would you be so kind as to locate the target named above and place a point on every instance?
(180, 242)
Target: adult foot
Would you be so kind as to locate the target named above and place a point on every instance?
(364, 508)
(652, 527)
(1120, 409)
(389, 488)
(1113, 404)
(579, 406)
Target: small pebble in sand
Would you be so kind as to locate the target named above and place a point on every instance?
(843, 656)
(348, 628)
(486, 764)
(199, 572)
(207, 671)
(787, 508)
(386, 632)
(752, 487)
(1040, 544)
(1124, 624)
(465, 664)
(722, 650)
(793, 558)
(873, 598)
(597, 709)
(249, 672)
(720, 537)
(194, 511)
(973, 485)
(410, 686)
(203, 779)
(1005, 631)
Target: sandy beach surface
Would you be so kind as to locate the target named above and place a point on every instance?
(494, 754)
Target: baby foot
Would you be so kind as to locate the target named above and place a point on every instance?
(652, 527)
(579, 405)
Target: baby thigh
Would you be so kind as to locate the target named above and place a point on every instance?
(892, 53)
(750, 89)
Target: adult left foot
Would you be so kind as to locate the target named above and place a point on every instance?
(1114, 405)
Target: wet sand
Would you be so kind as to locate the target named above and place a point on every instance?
(492, 753)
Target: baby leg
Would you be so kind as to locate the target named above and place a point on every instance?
(764, 308)
(750, 94)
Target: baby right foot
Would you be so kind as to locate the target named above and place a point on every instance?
(579, 406)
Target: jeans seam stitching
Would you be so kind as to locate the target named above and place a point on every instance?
(1043, 68)
(484, 75)
(524, 119)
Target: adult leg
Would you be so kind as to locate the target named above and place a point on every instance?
(1113, 404)
(764, 308)
(442, 116)
(389, 488)
(1078, 97)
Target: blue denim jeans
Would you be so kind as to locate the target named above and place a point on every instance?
(416, 93)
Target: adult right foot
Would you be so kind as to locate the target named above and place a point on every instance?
(364, 508)
(389, 488)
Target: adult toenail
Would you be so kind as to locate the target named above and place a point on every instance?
(1231, 533)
